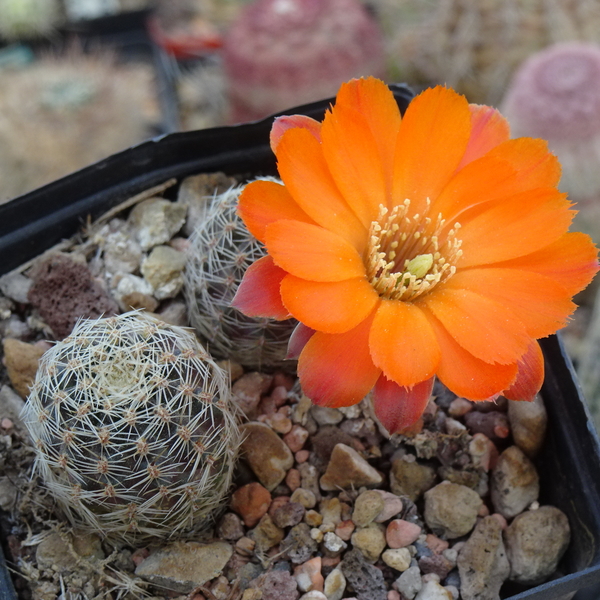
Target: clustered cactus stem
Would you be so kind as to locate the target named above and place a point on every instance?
(133, 426)
(221, 250)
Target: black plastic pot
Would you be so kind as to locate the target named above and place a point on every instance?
(569, 465)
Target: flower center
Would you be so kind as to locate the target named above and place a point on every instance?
(409, 255)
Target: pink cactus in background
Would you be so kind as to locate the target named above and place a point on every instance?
(281, 53)
(556, 95)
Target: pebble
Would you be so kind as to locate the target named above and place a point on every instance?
(331, 511)
(313, 518)
(279, 423)
(11, 404)
(277, 585)
(163, 270)
(432, 590)
(304, 497)
(230, 527)
(528, 421)
(293, 480)
(245, 546)
(514, 483)
(53, 551)
(121, 252)
(459, 407)
(370, 540)
(367, 506)
(366, 580)
(345, 529)
(182, 566)
(451, 509)
(347, 469)
(313, 595)
(436, 545)
(155, 221)
(535, 542)
(493, 424)
(317, 535)
(392, 505)
(409, 584)
(266, 534)
(296, 438)
(483, 451)
(298, 544)
(21, 360)
(251, 502)
(247, 391)
(397, 558)
(308, 575)
(437, 564)
(401, 533)
(266, 453)
(128, 287)
(482, 562)
(335, 585)
(333, 544)
(15, 286)
(302, 456)
(288, 515)
(310, 478)
(324, 415)
(411, 478)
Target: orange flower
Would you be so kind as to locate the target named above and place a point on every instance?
(413, 247)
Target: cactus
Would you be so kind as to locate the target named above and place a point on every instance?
(134, 432)
(28, 18)
(281, 53)
(221, 249)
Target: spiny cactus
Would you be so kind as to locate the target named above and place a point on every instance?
(281, 53)
(221, 249)
(133, 427)
(28, 18)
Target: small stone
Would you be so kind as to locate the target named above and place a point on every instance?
(451, 509)
(482, 562)
(296, 438)
(333, 544)
(392, 505)
(347, 469)
(304, 497)
(292, 479)
(183, 566)
(15, 286)
(155, 221)
(279, 423)
(345, 529)
(245, 546)
(288, 515)
(528, 421)
(331, 510)
(432, 590)
(437, 564)
(248, 390)
(366, 507)
(308, 575)
(11, 404)
(310, 478)
(251, 502)
(493, 424)
(459, 407)
(514, 483)
(313, 595)
(324, 415)
(230, 527)
(411, 478)
(163, 270)
(317, 535)
(298, 544)
(483, 451)
(453, 591)
(122, 253)
(302, 456)
(400, 533)
(266, 534)
(266, 454)
(137, 301)
(370, 540)
(409, 584)
(335, 585)
(535, 542)
(435, 544)
(397, 558)
(278, 585)
(21, 360)
(53, 551)
(366, 580)
(313, 518)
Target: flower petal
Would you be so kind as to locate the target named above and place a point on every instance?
(330, 307)
(483, 327)
(465, 375)
(298, 340)
(306, 175)
(403, 344)
(540, 303)
(336, 369)
(311, 252)
(262, 202)
(572, 261)
(282, 124)
(353, 159)
(258, 293)
(398, 407)
(488, 129)
(530, 376)
(513, 227)
(432, 140)
(374, 100)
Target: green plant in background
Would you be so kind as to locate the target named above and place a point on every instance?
(221, 249)
(134, 431)
(28, 18)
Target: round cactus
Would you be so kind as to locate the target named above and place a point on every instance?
(28, 18)
(221, 249)
(134, 431)
(281, 53)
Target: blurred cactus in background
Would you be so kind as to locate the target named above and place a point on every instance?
(133, 427)
(24, 19)
(281, 53)
(221, 250)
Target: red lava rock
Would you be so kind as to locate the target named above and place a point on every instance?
(435, 544)
(64, 290)
(329, 562)
(296, 438)
(251, 502)
(292, 479)
(400, 533)
(139, 556)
